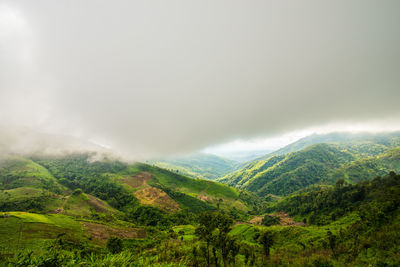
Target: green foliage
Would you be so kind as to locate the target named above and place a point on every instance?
(346, 224)
(78, 171)
(282, 175)
(77, 192)
(114, 245)
(314, 166)
(27, 199)
(21, 172)
(324, 206)
(266, 239)
(269, 220)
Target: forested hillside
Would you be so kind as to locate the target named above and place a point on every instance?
(77, 208)
(100, 213)
(315, 165)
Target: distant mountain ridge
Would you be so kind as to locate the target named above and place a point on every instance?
(204, 166)
(391, 139)
(352, 157)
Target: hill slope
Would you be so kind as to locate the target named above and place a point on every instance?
(119, 183)
(317, 164)
(17, 171)
(285, 174)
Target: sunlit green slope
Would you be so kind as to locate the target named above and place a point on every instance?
(317, 164)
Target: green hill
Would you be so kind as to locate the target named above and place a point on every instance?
(111, 213)
(111, 181)
(317, 164)
(281, 175)
(367, 168)
(79, 204)
(17, 171)
(204, 166)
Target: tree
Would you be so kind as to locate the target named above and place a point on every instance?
(224, 223)
(266, 239)
(332, 242)
(269, 220)
(339, 183)
(114, 245)
(204, 231)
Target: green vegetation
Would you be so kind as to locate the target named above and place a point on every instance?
(319, 164)
(99, 216)
(22, 172)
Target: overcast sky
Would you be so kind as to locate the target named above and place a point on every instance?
(152, 78)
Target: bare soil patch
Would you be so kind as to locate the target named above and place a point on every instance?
(137, 180)
(286, 220)
(100, 232)
(256, 220)
(156, 197)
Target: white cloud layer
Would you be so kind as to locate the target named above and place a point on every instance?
(151, 78)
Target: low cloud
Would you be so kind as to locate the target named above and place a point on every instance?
(151, 78)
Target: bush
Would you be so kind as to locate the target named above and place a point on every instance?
(269, 220)
(114, 245)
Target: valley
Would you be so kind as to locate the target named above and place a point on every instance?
(328, 204)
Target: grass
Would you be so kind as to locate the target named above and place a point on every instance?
(78, 205)
(84, 205)
(23, 230)
(188, 231)
(20, 193)
(17, 171)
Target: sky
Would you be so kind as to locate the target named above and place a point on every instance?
(155, 78)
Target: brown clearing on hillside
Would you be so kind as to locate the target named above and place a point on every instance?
(137, 180)
(256, 220)
(203, 194)
(156, 197)
(284, 218)
(100, 233)
(150, 195)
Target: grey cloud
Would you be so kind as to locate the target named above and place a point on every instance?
(160, 77)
